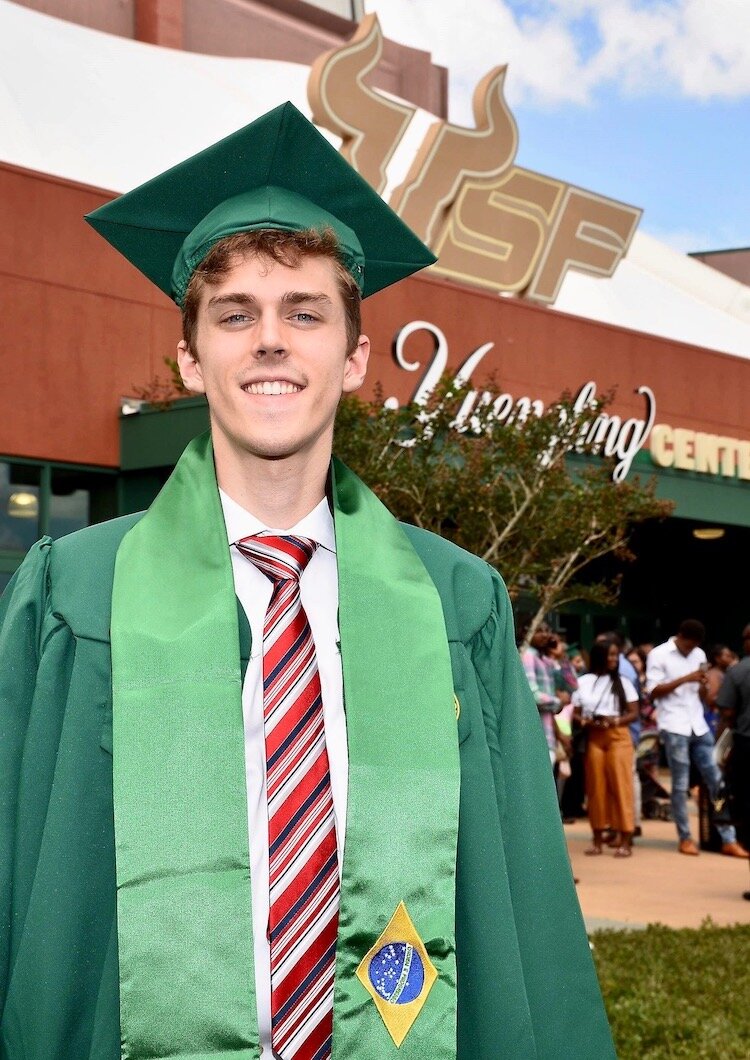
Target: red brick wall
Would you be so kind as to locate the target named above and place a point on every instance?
(81, 328)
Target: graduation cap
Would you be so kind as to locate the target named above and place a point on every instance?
(278, 172)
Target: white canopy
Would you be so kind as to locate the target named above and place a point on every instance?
(113, 112)
(663, 292)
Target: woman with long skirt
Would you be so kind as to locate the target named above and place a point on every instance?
(606, 704)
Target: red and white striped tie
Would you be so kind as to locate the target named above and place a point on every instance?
(303, 864)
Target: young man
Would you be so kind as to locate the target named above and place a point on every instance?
(273, 781)
(675, 675)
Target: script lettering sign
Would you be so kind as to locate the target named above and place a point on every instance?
(603, 433)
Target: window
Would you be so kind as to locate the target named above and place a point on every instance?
(19, 507)
(70, 502)
(39, 498)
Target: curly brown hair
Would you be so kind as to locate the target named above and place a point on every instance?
(286, 248)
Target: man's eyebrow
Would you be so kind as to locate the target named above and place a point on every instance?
(308, 297)
(290, 298)
(234, 299)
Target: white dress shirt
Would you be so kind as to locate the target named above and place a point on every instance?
(680, 711)
(595, 696)
(320, 598)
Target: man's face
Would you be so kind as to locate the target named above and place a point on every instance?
(724, 659)
(686, 644)
(578, 663)
(541, 637)
(271, 358)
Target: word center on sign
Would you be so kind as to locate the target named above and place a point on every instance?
(708, 454)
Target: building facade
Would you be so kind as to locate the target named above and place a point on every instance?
(85, 336)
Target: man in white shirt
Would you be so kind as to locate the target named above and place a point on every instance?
(675, 676)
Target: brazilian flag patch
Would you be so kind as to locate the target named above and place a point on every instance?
(398, 975)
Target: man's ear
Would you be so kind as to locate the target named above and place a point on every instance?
(190, 369)
(356, 365)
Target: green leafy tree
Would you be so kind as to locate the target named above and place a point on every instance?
(162, 393)
(511, 490)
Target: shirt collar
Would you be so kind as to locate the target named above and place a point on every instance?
(673, 647)
(317, 524)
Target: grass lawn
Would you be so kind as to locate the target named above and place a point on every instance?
(677, 993)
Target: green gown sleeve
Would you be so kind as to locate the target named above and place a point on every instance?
(58, 943)
(564, 1001)
(22, 613)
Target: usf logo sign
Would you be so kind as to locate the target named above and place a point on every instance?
(492, 223)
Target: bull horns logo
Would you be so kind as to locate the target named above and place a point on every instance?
(492, 223)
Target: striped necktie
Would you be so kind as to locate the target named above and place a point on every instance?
(303, 864)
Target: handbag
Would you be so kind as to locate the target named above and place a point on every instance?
(723, 749)
(723, 805)
(724, 802)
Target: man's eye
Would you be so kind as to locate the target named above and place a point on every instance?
(235, 318)
(304, 317)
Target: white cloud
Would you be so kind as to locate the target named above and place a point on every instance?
(720, 235)
(712, 54)
(685, 240)
(561, 51)
(701, 48)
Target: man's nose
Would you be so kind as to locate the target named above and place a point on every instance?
(269, 339)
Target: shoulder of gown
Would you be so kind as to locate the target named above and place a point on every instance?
(473, 594)
(81, 571)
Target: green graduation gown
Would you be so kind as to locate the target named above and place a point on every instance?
(526, 982)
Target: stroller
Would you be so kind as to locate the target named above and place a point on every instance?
(655, 803)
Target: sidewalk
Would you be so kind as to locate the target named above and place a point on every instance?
(657, 885)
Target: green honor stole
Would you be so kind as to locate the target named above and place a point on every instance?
(187, 987)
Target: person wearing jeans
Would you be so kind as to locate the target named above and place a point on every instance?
(675, 675)
(680, 750)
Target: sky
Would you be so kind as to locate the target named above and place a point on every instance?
(647, 101)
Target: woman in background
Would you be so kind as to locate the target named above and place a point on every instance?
(637, 659)
(606, 704)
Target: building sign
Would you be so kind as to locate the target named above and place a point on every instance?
(708, 454)
(601, 434)
(492, 223)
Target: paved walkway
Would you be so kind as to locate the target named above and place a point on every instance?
(657, 885)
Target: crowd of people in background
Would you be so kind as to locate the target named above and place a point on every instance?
(613, 715)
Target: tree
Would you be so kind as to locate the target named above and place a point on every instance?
(512, 490)
(162, 393)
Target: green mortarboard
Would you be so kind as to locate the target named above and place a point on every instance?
(277, 172)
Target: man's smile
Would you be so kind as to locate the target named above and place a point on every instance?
(271, 387)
